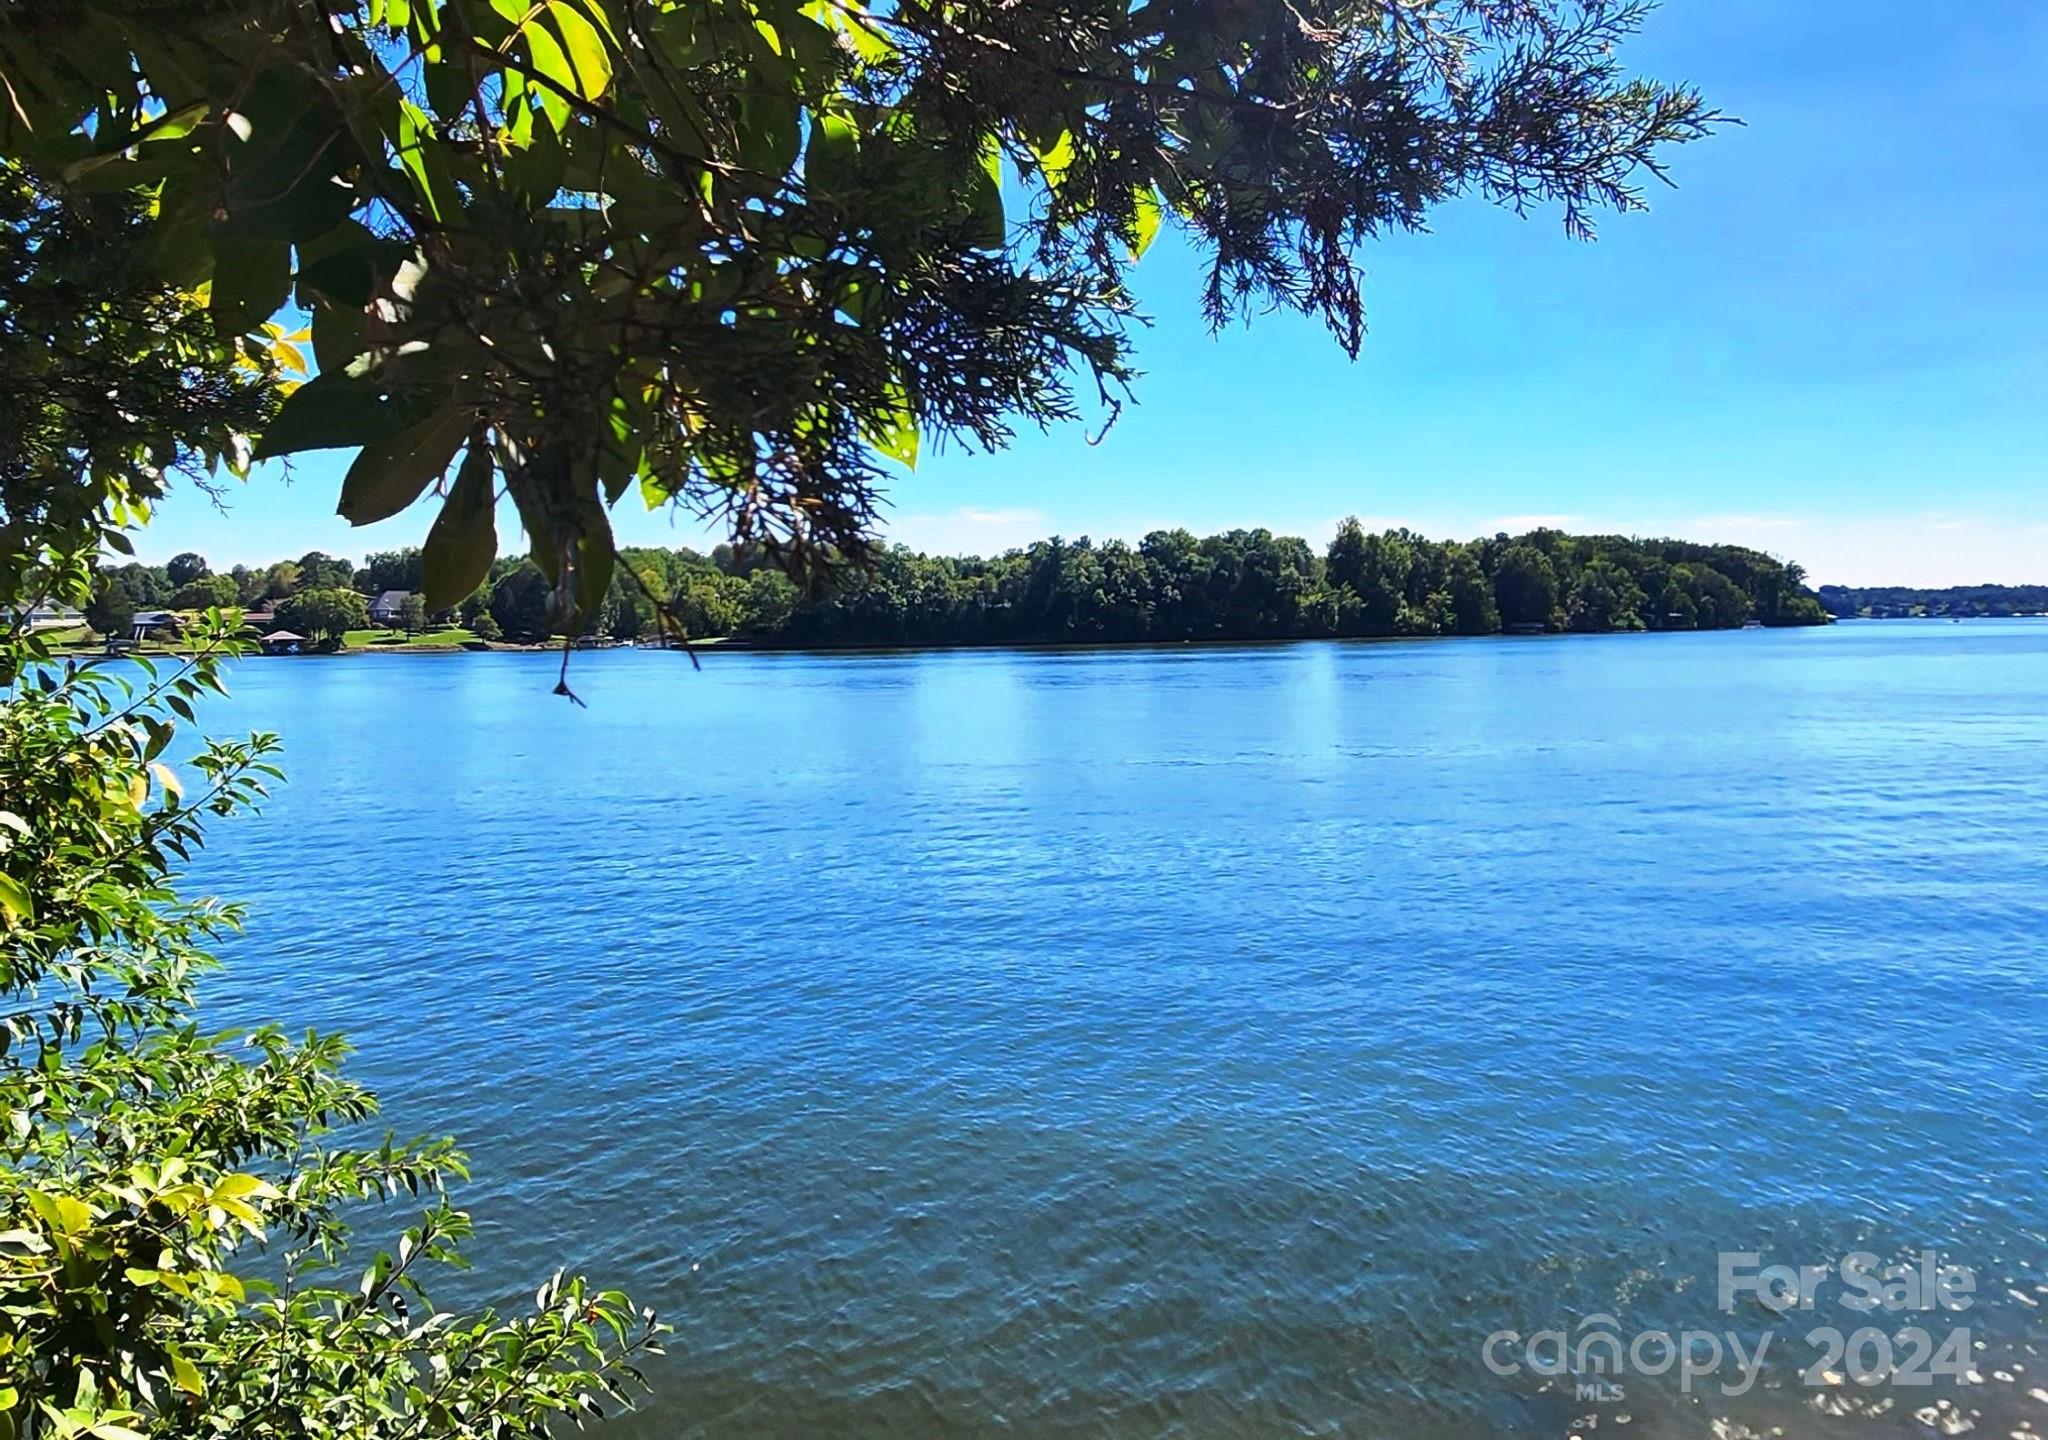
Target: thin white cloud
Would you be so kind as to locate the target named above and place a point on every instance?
(1517, 524)
(968, 529)
(1744, 522)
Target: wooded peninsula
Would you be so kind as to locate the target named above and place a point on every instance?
(1170, 586)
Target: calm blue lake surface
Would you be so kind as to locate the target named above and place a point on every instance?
(1194, 1042)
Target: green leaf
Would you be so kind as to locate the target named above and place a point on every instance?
(420, 152)
(861, 33)
(64, 1214)
(238, 1187)
(389, 476)
(585, 49)
(540, 531)
(450, 88)
(168, 779)
(174, 125)
(464, 538)
(177, 124)
(336, 410)
(1146, 215)
(987, 226)
(834, 151)
(182, 246)
(287, 151)
(536, 168)
(769, 131)
(595, 555)
(547, 57)
(341, 335)
(15, 902)
(894, 433)
(1056, 159)
(251, 280)
(344, 265)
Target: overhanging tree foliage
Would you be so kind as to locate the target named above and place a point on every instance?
(144, 1161)
(110, 381)
(733, 253)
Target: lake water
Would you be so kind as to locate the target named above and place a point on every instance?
(1197, 1042)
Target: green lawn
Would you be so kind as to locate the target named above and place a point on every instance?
(83, 641)
(451, 638)
(77, 636)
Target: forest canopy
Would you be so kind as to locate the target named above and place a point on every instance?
(1238, 585)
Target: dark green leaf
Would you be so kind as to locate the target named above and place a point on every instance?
(286, 151)
(389, 476)
(251, 281)
(345, 265)
(594, 557)
(340, 336)
(336, 410)
(464, 539)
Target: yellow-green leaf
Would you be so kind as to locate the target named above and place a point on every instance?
(585, 49)
(895, 432)
(15, 901)
(236, 1187)
(1056, 159)
(420, 153)
(64, 1214)
(546, 54)
(168, 778)
(1145, 217)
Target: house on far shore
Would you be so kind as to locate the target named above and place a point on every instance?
(49, 617)
(386, 607)
(153, 625)
(282, 642)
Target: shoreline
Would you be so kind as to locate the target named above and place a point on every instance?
(741, 644)
(737, 644)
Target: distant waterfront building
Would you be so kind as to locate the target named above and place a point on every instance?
(283, 642)
(50, 617)
(385, 609)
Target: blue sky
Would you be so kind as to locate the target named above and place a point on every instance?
(1830, 342)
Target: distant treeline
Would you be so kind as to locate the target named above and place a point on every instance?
(1896, 602)
(1253, 584)
(1172, 585)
